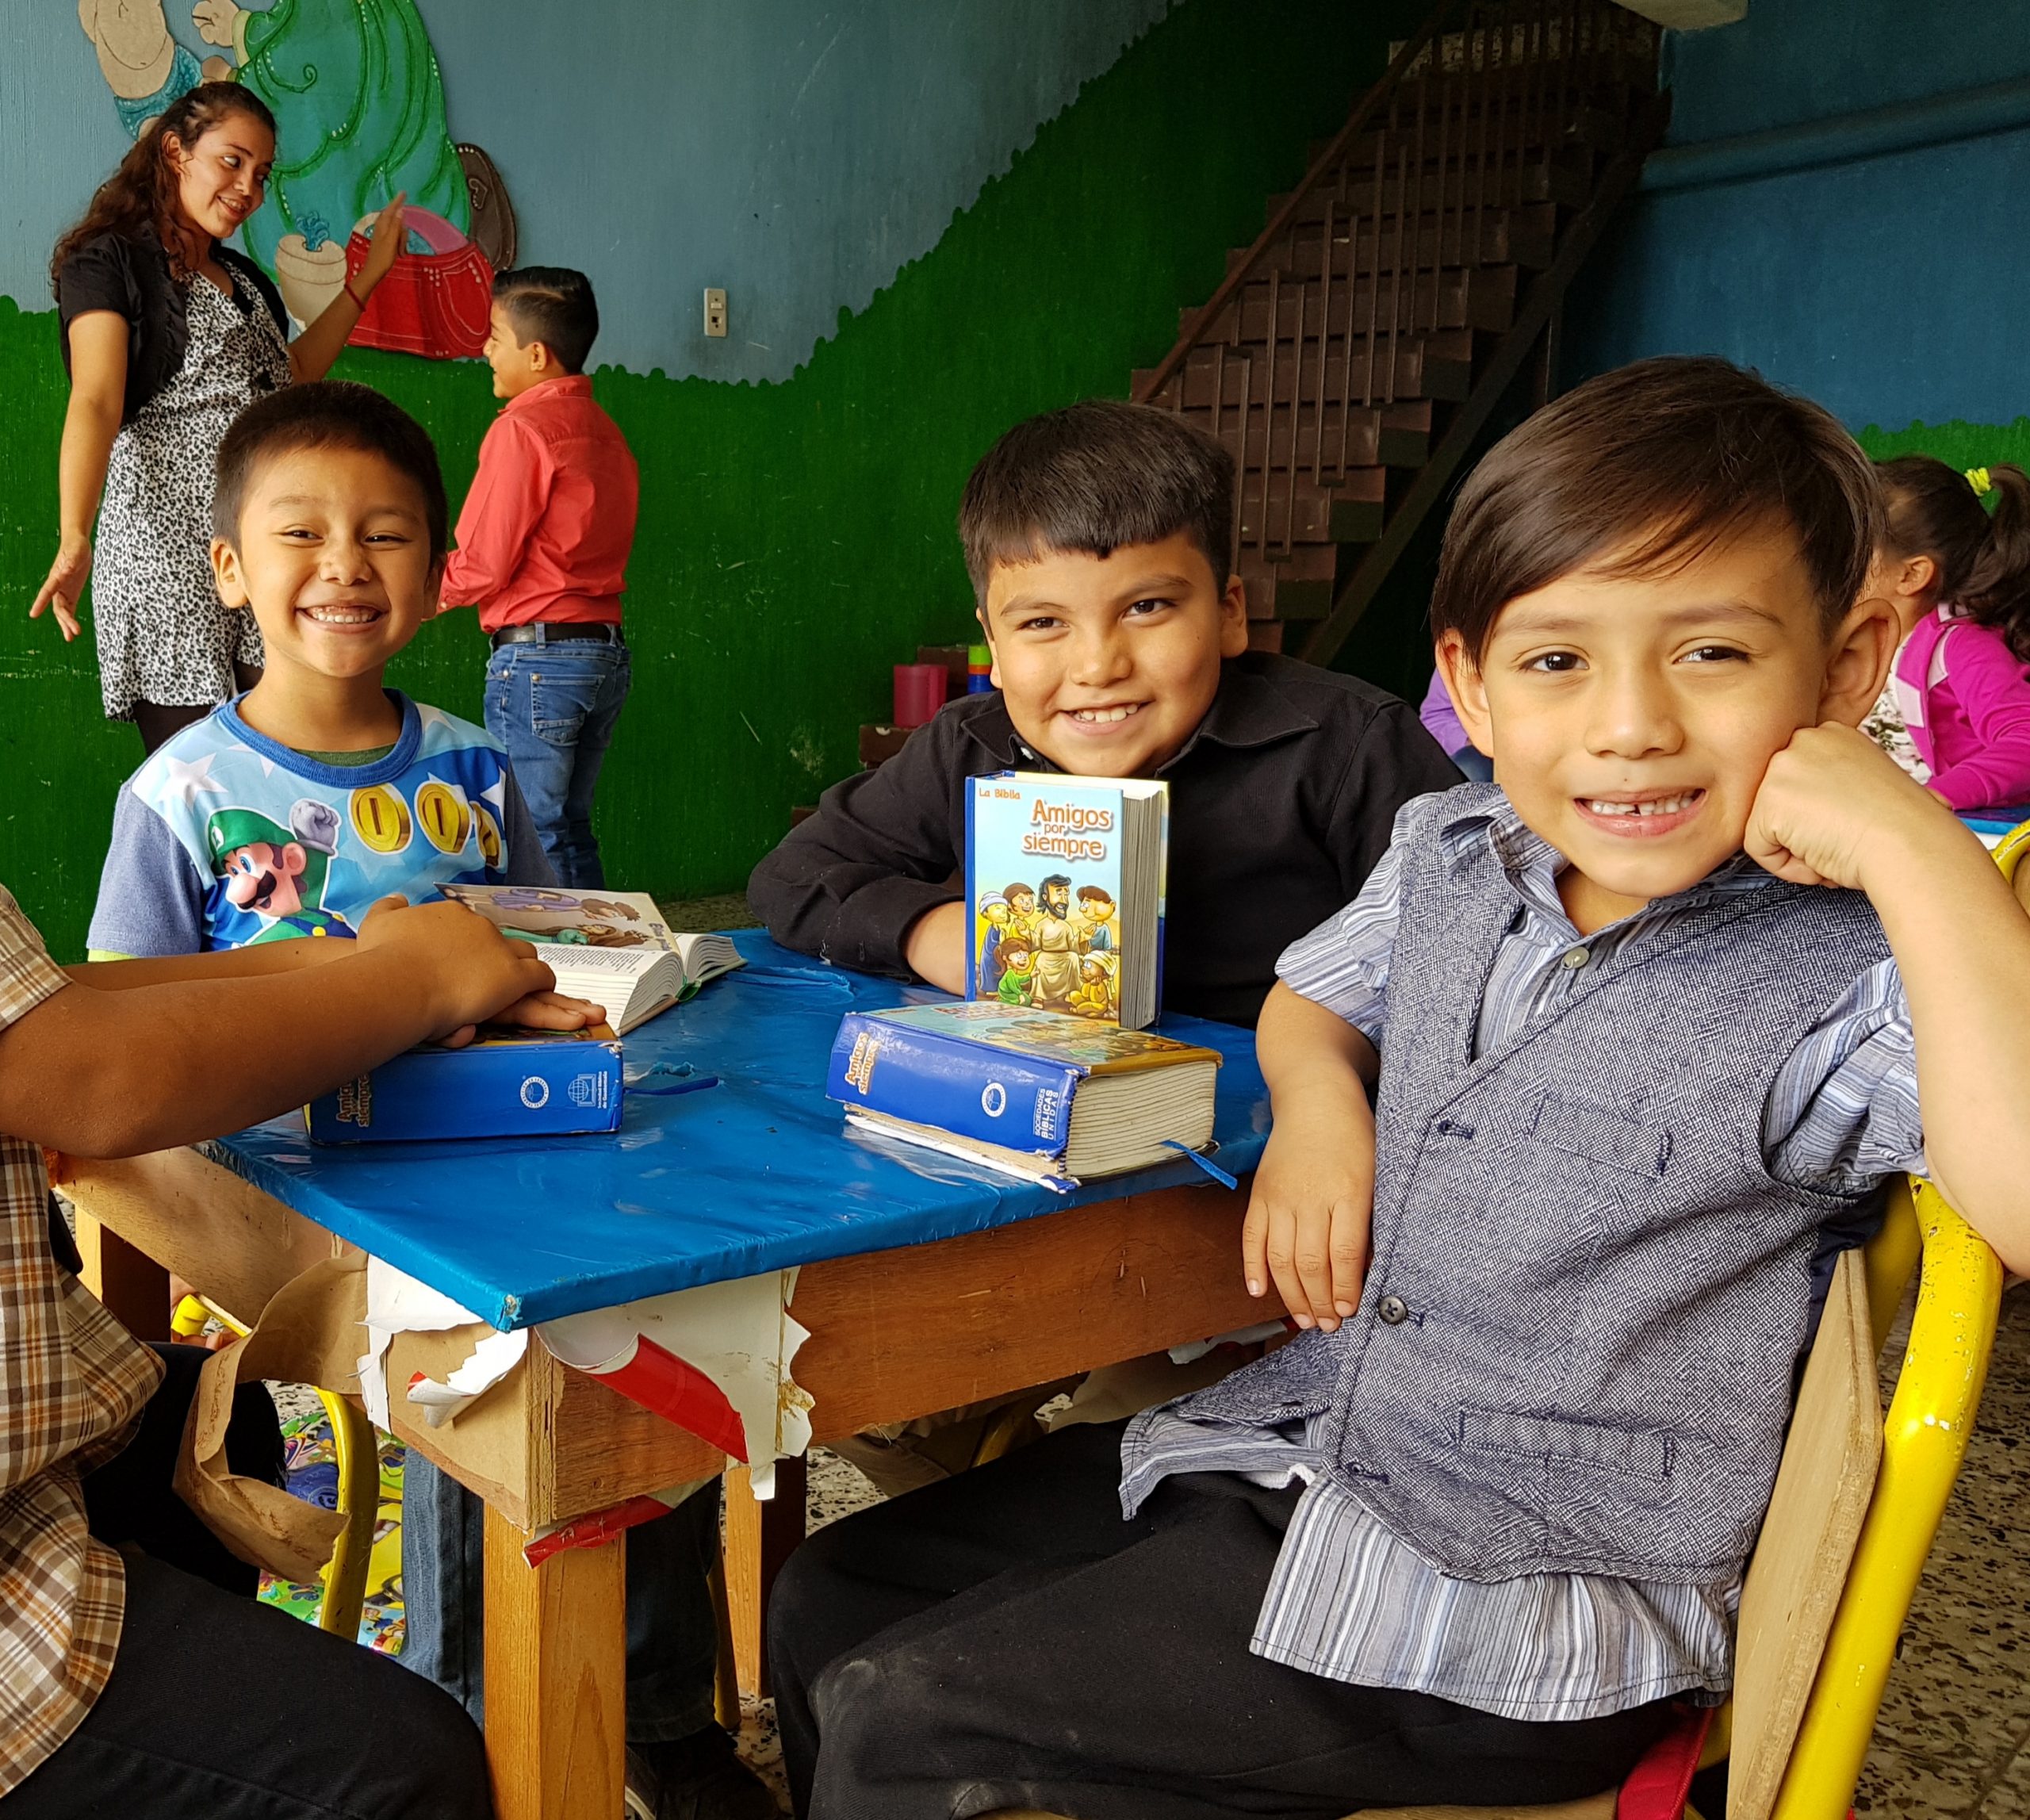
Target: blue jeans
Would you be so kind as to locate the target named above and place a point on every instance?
(672, 1631)
(554, 705)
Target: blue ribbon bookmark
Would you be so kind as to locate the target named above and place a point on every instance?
(1204, 1163)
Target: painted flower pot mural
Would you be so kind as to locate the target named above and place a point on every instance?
(433, 303)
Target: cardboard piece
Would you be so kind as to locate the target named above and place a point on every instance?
(309, 1333)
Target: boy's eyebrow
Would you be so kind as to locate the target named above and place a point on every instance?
(1535, 620)
(317, 500)
(1143, 586)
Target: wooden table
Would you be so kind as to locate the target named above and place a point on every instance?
(894, 1335)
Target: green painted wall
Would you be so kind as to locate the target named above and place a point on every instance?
(796, 538)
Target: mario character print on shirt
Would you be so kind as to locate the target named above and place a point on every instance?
(278, 874)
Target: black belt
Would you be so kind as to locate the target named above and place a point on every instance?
(539, 632)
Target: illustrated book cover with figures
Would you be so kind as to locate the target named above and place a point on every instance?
(1065, 878)
(1044, 1095)
(613, 948)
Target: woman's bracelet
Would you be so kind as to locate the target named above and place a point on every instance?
(358, 303)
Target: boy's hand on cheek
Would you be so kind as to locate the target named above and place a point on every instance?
(1310, 1216)
(1833, 804)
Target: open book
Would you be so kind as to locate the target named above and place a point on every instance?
(613, 948)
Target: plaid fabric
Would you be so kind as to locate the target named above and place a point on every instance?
(72, 1381)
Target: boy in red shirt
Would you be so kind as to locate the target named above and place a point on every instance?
(543, 543)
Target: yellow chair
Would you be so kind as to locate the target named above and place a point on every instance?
(358, 1456)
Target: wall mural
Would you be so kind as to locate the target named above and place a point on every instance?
(356, 91)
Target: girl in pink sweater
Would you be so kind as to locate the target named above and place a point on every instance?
(1956, 711)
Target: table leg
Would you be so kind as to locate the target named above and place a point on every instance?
(556, 1673)
(759, 1538)
(134, 1288)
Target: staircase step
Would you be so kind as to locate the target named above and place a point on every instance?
(1580, 124)
(1471, 296)
(1469, 181)
(1371, 438)
(1283, 514)
(1437, 366)
(1525, 236)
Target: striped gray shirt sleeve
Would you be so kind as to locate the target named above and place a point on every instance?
(1343, 963)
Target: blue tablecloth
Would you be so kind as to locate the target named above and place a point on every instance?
(753, 1175)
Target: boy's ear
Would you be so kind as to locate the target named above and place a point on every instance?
(1233, 618)
(225, 573)
(433, 587)
(1857, 660)
(1468, 689)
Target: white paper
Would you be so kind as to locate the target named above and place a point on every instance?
(491, 1361)
(397, 1303)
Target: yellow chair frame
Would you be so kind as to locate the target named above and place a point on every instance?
(358, 1452)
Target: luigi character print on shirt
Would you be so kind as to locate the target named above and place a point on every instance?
(278, 874)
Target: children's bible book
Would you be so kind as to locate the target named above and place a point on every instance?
(611, 947)
(1065, 878)
(506, 1083)
(1040, 1094)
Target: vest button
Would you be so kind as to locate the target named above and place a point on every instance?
(1393, 1310)
(1575, 958)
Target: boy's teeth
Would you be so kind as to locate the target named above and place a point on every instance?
(1101, 714)
(1661, 806)
(340, 615)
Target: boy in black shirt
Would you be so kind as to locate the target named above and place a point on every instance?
(1097, 539)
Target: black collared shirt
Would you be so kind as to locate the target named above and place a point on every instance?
(1280, 803)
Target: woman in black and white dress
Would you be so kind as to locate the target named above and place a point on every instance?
(167, 335)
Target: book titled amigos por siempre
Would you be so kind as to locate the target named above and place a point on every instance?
(1065, 878)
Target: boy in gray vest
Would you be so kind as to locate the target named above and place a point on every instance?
(1645, 1023)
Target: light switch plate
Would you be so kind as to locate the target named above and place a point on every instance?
(716, 312)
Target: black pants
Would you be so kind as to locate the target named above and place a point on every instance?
(1005, 1640)
(218, 1708)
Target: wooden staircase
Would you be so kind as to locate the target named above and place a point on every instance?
(1352, 356)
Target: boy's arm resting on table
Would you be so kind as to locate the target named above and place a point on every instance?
(1834, 808)
(1309, 1213)
(116, 1073)
(850, 883)
(508, 495)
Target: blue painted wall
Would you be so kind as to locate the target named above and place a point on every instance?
(1889, 288)
(798, 154)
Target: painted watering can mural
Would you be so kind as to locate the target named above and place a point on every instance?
(355, 89)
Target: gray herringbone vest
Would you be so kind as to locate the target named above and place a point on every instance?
(1599, 1292)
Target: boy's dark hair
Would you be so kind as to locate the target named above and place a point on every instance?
(1644, 469)
(552, 304)
(1010, 891)
(1093, 894)
(1983, 560)
(1092, 477)
(329, 414)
